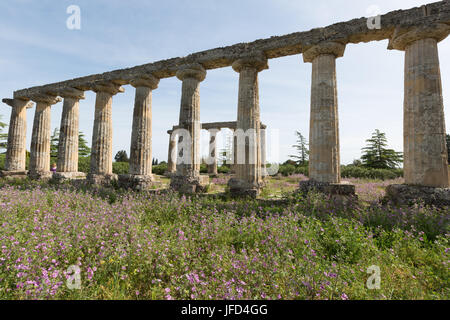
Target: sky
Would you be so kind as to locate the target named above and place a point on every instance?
(37, 48)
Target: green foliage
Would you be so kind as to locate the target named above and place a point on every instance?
(54, 142)
(203, 168)
(3, 135)
(377, 156)
(302, 149)
(121, 167)
(121, 156)
(223, 169)
(83, 149)
(84, 164)
(352, 171)
(287, 169)
(160, 169)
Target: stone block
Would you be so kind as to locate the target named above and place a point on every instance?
(402, 194)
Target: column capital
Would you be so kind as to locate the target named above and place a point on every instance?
(148, 81)
(194, 70)
(257, 61)
(401, 38)
(108, 87)
(335, 48)
(18, 102)
(46, 98)
(72, 93)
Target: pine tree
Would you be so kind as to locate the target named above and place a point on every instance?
(121, 156)
(83, 149)
(302, 149)
(54, 142)
(377, 155)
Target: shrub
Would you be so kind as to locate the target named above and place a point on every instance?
(121, 167)
(160, 169)
(287, 169)
(223, 169)
(84, 164)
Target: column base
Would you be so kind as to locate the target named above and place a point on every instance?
(169, 174)
(136, 182)
(14, 174)
(101, 179)
(61, 176)
(189, 184)
(341, 189)
(40, 175)
(240, 188)
(402, 194)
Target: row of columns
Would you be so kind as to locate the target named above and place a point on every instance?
(424, 126)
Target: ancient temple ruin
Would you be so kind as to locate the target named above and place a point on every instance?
(416, 31)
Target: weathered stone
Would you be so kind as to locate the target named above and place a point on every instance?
(68, 136)
(102, 179)
(189, 184)
(248, 150)
(63, 176)
(402, 194)
(136, 182)
(40, 139)
(212, 167)
(240, 188)
(101, 153)
(17, 132)
(324, 160)
(425, 150)
(172, 156)
(353, 31)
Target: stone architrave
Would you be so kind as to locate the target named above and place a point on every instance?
(17, 135)
(101, 153)
(140, 176)
(40, 139)
(67, 166)
(424, 134)
(187, 178)
(248, 179)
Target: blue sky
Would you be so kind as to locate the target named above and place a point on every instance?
(37, 48)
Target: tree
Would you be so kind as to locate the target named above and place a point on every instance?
(3, 136)
(155, 162)
(83, 149)
(376, 155)
(302, 149)
(448, 147)
(121, 156)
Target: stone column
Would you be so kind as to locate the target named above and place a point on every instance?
(248, 179)
(188, 178)
(40, 139)
(140, 176)
(67, 167)
(172, 154)
(17, 135)
(212, 167)
(324, 159)
(425, 150)
(263, 151)
(101, 153)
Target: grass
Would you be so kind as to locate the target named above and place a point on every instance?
(166, 246)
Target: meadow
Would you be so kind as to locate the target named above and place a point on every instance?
(161, 245)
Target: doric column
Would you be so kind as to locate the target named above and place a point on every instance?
(101, 153)
(263, 151)
(17, 136)
(248, 178)
(212, 166)
(40, 139)
(172, 154)
(140, 176)
(187, 178)
(67, 167)
(324, 160)
(425, 150)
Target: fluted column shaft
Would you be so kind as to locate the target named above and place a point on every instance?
(190, 118)
(248, 148)
(40, 139)
(212, 166)
(68, 135)
(141, 138)
(425, 150)
(172, 161)
(324, 159)
(17, 135)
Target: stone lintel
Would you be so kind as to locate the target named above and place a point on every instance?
(148, 81)
(352, 31)
(72, 93)
(255, 60)
(403, 37)
(215, 125)
(334, 48)
(195, 71)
